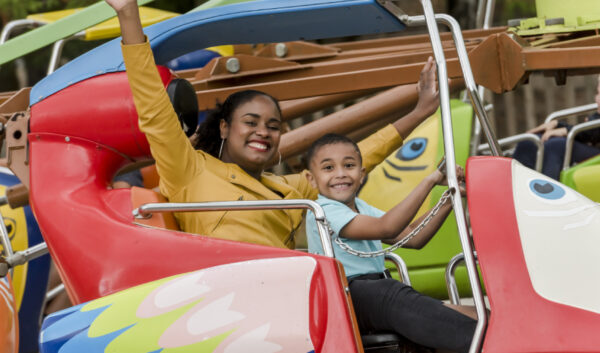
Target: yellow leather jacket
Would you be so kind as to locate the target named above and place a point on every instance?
(188, 175)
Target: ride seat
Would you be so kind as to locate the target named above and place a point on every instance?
(140, 196)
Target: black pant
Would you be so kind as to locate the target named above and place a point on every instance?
(386, 305)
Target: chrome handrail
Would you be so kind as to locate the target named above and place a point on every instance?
(563, 113)
(588, 125)
(146, 210)
(511, 140)
(400, 266)
(444, 94)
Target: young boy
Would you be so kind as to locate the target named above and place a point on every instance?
(381, 304)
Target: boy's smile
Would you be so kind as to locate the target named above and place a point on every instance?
(336, 170)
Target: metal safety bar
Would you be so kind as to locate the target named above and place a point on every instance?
(453, 294)
(511, 140)
(559, 114)
(588, 125)
(146, 210)
(400, 266)
(459, 212)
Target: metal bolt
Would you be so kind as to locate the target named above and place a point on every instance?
(67, 139)
(233, 65)
(281, 50)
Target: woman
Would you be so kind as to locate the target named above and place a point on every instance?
(236, 144)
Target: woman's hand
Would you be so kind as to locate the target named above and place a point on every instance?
(129, 20)
(428, 90)
(119, 5)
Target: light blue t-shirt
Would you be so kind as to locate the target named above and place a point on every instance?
(338, 215)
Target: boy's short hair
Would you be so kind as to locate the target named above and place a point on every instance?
(329, 139)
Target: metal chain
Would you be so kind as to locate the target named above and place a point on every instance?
(347, 248)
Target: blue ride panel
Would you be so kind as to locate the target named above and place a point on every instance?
(261, 21)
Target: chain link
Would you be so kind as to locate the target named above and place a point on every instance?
(347, 248)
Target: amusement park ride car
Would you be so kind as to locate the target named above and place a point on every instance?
(142, 287)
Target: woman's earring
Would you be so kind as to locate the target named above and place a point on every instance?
(279, 157)
(221, 148)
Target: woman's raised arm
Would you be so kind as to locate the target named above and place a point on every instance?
(129, 20)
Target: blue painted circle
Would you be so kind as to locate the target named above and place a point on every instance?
(412, 149)
(546, 189)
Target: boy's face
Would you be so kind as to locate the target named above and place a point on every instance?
(336, 170)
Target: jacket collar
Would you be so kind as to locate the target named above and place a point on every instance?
(269, 186)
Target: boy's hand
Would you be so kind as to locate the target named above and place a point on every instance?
(428, 90)
(439, 178)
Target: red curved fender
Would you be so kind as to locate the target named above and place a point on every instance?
(521, 320)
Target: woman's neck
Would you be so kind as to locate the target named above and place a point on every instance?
(253, 173)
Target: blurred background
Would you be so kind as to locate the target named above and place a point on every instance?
(514, 112)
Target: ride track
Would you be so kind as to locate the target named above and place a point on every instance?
(77, 141)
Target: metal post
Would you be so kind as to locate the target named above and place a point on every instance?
(459, 212)
(465, 65)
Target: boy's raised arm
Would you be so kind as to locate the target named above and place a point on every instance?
(426, 105)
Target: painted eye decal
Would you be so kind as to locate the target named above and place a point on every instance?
(546, 189)
(412, 149)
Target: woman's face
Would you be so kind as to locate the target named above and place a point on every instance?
(252, 137)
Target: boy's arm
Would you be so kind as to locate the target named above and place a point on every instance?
(426, 105)
(395, 220)
(421, 239)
